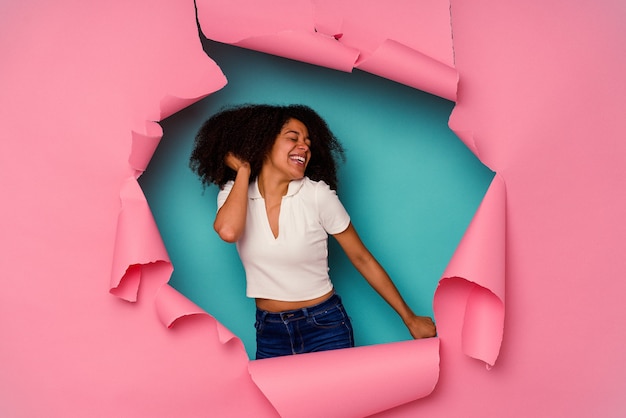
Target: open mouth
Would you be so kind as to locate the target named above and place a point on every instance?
(299, 159)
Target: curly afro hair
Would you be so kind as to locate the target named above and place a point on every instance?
(249, 132)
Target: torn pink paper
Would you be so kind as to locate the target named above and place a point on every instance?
(411, 44)
(137, 242)
(143, 146)
(290, 33)
(422, 26)
(78, 79)
(312, 48)
(354, 382)
(480, 259)
(407, 66)
(230, 21)
(467, 137)
(171, 306)
(390, 59)
(171, 103)
(483, 325)
(321, 34)
(97, 62)
(327, 19)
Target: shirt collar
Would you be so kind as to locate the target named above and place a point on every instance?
(294, 187)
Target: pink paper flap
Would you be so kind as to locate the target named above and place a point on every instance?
(480, 259)
(137, 241)
(370, 379)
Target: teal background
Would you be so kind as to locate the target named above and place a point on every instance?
(410, 185)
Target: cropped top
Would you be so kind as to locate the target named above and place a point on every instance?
(293, 266)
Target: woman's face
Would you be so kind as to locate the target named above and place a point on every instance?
(290, 153)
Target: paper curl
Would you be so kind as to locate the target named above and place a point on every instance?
(480, 260)
(137, 242)
(172, 306)
(379, 378)
(314, 33)
(143, 146)
(407, 66)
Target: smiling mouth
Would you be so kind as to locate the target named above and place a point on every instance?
(298, 159)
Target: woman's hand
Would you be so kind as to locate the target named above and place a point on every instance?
(235, 163)
(421, 326)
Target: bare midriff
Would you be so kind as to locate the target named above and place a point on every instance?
(272, 305)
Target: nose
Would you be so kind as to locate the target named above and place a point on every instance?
(302, 145)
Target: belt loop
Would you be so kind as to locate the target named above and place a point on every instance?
(305, 311)
(263, 315)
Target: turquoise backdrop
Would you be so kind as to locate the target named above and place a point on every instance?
(410, 185)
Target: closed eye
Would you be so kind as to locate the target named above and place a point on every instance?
(306, 141)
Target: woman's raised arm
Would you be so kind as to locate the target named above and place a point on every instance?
(230, 219)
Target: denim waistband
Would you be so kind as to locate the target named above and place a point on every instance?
(295, 314)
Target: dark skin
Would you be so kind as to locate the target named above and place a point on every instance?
(287, 161)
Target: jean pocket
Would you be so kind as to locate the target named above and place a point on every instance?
(331, 318)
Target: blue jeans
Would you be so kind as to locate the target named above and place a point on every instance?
(325, 326)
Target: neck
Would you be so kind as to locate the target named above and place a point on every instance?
(272, 187)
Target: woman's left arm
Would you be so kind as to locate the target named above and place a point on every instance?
(377, 277)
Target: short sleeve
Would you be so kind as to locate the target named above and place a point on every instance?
(332, 214)
(223, 193)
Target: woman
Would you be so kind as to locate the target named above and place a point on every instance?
(276, 169)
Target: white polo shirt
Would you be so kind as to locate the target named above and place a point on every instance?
(293, 266)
